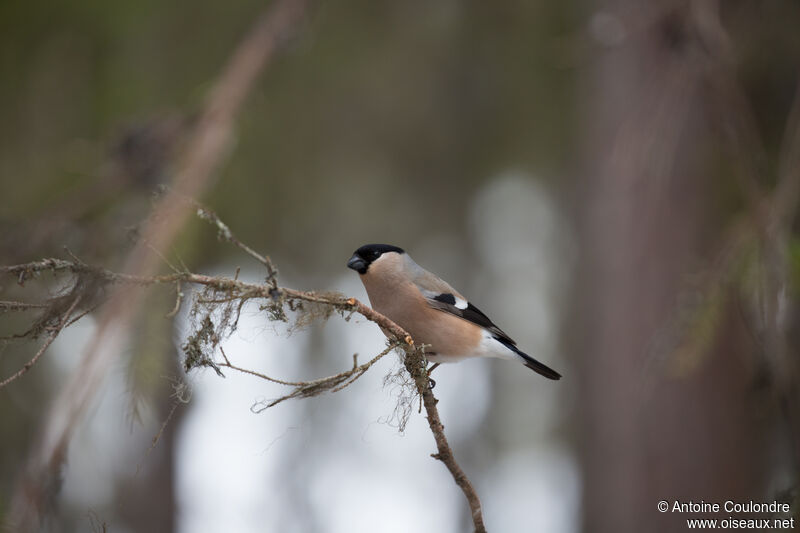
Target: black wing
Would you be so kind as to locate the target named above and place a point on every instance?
(447, 302)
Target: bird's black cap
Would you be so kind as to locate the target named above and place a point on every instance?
(365, 255)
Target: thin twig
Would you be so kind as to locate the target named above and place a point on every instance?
(20, 306)
(225, 232)
(178, 300)
(305, 389)
(44, 347)
(88, 311)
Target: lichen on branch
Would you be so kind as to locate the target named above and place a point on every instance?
(216, 305)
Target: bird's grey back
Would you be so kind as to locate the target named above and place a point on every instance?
(429, 284)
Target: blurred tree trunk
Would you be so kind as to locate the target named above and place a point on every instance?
(146, 502)
(654, 427)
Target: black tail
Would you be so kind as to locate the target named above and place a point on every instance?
(539, 368)
(532, 363)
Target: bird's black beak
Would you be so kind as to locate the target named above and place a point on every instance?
(357, 264)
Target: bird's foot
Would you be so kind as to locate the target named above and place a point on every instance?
(431, 381)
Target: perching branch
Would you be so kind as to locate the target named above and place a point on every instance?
(416, 367)
(205, 150)
(220, 291)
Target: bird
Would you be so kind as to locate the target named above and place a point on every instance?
(431, 311)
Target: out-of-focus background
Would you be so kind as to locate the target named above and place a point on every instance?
(614, 183)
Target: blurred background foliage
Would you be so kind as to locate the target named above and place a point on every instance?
(373, 96)
(513, 147)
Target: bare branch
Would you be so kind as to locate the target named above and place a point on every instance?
(415, 364)
(19, 306)
(309, 389)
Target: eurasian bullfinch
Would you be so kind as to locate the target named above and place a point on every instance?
(431, 311)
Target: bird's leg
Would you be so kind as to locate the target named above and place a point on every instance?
(430, 370)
